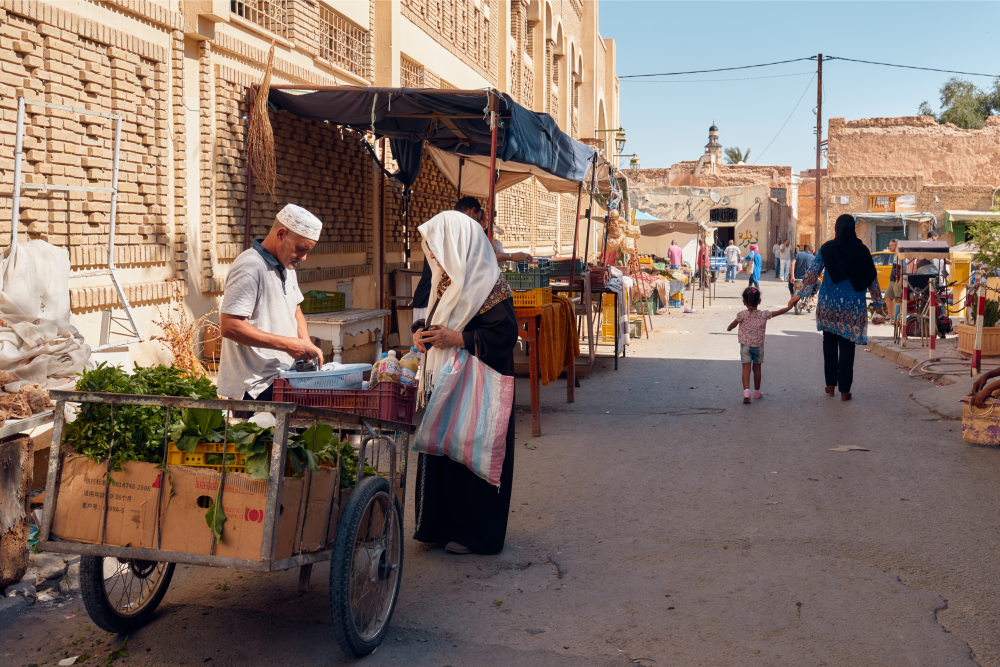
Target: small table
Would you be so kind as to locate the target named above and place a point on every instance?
(334, 326)
(528, 326)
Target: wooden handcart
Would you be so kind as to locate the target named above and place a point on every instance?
(123, 585)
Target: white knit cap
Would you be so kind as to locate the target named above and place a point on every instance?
(300, 221)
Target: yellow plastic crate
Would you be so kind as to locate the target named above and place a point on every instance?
(608, 333)
(535, 298)
(207, 455)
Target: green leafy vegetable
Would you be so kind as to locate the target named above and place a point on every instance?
(197, 425)
(215, 517)
(137, 434)
(254, 443)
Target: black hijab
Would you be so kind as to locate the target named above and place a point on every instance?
(846, 257)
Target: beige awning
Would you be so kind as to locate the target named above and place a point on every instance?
(476, 173)
(970, 216)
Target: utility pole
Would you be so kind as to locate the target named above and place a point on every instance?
(819, 142)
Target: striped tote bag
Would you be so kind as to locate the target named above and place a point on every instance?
(467, 415)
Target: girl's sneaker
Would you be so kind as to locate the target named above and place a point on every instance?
(757, 395)
(746, 395)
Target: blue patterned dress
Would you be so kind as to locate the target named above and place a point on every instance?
(840, 310)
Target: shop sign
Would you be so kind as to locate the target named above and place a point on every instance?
(882, 203)
(779, 193)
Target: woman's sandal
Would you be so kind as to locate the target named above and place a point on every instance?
(845, 395)
(830, 389)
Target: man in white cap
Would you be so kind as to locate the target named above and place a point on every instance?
(261, 321)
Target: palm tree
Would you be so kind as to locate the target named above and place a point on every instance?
(735, 156)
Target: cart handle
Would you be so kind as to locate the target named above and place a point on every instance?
(170, 401)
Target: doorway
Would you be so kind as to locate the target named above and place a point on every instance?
(723, 235)
(885, 233)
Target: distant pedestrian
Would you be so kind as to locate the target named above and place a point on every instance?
(800, 266)
(894, 291)
(842, 311)
(785, 255)
(702, 263)
(732, 261)
(675, 255)
(752, 323)
(754, 263)
(775, 252)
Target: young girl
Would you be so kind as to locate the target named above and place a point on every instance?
(752, 323)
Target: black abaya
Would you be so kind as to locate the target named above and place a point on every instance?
(452, 502)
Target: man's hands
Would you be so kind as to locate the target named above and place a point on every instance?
(439, 338)
(303, 349)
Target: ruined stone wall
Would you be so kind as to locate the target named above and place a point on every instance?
(940, 154)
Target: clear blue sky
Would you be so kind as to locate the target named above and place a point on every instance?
(668, 122)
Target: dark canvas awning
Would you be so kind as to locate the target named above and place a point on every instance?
(456, 124)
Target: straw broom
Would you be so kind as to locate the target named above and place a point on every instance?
(260, 138)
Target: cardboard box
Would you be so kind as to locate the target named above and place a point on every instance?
(191, 492)
(320, 524)
(79, 514)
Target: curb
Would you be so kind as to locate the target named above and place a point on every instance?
(11, 609)
(906, 359)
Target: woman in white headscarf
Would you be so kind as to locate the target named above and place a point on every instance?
(473, 306)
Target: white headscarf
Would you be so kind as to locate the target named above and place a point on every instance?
(463, 250)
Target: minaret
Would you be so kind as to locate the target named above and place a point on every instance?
(713, 145)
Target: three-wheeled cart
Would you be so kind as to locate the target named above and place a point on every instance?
(122, 585)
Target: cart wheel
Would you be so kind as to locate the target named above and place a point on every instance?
(121, 595)
(366, 567)
(799, 307)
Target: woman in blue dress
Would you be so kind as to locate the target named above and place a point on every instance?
(754, 263)
(842, 312)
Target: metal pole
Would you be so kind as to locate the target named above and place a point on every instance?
(249, 198)
(16, 210)
(576, 233)
(493, 157)
(819, 141)
(114, 196)
(461, 163)
(902, 307)
(590, 210)
(932, 315)
(977, 355)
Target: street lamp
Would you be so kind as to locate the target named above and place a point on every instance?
(634, 164)
(620, 140)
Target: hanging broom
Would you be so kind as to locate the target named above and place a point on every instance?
(260, 139)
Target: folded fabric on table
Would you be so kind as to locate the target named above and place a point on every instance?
(558, 343)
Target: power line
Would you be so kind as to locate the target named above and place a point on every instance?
(749, 78)
(926, 69)
(722, 69)
(808, 85)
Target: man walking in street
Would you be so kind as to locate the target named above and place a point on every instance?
(675, 255)
(732, 261)
(776, 252)
(800, 266)
(702, 263)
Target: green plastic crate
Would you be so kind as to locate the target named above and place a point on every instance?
(323, 302)
(650, 304)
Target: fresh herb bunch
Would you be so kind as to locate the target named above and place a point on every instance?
(254, 443)
(318, 443)
(137, 434)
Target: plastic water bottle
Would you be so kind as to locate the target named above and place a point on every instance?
(409, 365)
(390, 369)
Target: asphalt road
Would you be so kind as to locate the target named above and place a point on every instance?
(659, 521)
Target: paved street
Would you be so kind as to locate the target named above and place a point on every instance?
(659, 521)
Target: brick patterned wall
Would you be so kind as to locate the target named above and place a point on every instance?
(180, 153)
(211, 282)
(320, 167)
(461, 27)
(61, 66)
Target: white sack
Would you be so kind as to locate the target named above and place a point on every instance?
(38, 339)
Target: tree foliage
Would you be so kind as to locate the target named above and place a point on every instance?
(965, 104)
(735, 156)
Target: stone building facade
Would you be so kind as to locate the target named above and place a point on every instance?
(179, 70)
(897, 167)
(749, 204)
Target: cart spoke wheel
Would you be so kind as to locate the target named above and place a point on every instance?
(366, 567)
(121, 594)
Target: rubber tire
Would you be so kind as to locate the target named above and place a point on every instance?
(100, 612)
(799, 307)
(340, 568)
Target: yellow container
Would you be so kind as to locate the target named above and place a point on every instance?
(207, 455)
(535, 298)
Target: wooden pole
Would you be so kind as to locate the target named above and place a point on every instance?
(379, 286)
(251, 95)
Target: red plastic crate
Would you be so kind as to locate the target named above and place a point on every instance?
(388, 400)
